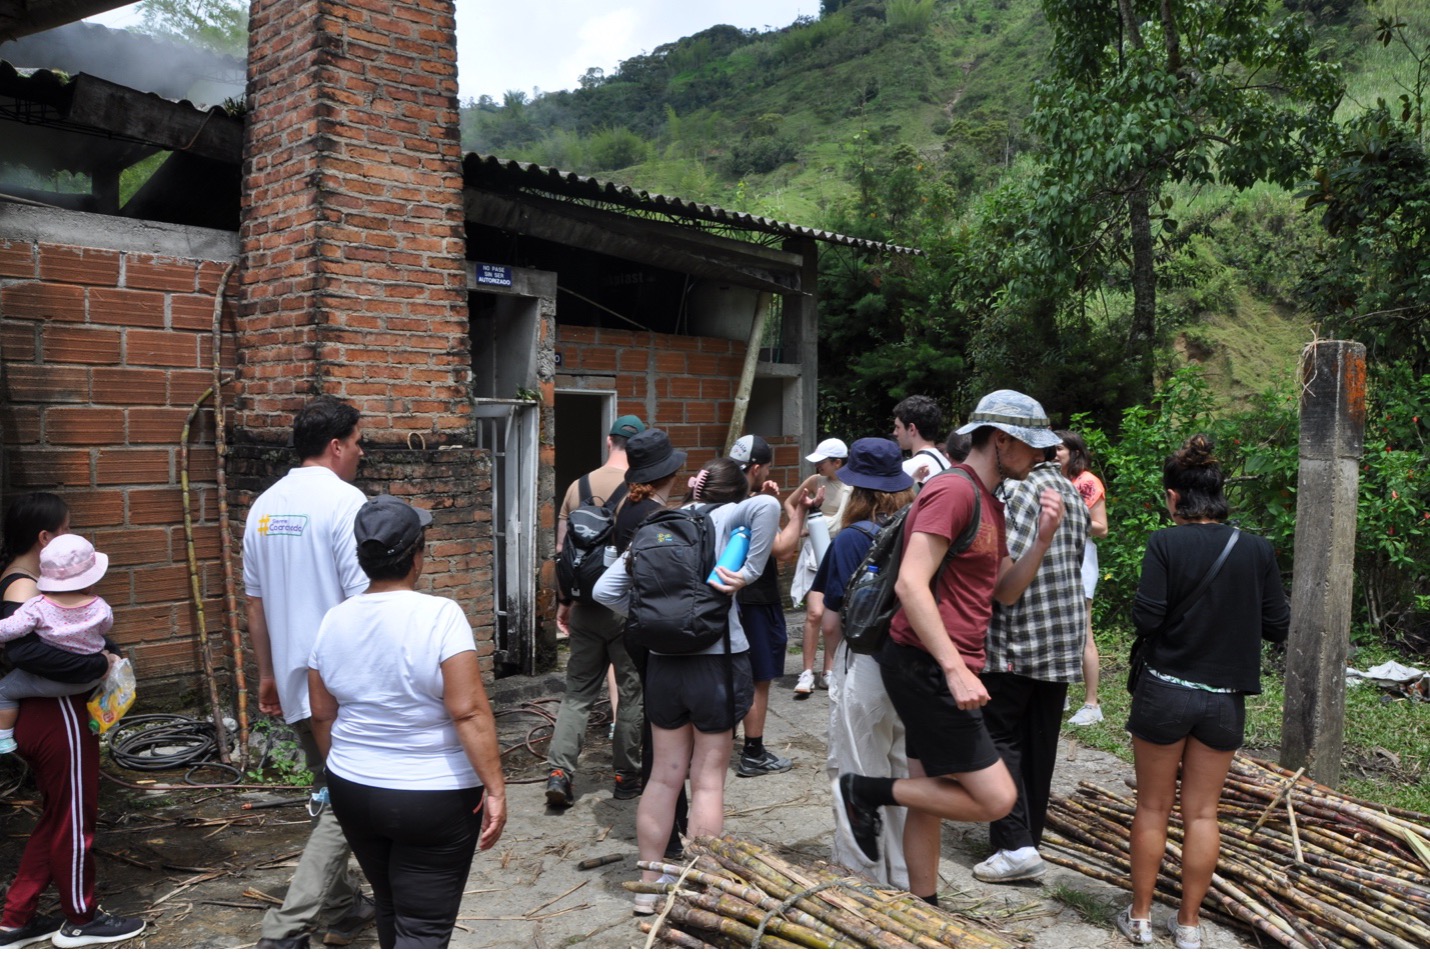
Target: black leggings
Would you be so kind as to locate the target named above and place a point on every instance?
(416, 849)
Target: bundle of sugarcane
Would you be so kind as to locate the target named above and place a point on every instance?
(736, 891)
(1305, 865)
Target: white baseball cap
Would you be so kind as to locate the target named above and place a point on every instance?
(832, 447)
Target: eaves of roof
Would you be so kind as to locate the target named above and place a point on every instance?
(492, 171)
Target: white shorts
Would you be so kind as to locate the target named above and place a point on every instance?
(1089, 569)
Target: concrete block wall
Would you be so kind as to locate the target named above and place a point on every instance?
(104, 354)
(682, 384)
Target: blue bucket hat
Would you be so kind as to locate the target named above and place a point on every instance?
(875, 463)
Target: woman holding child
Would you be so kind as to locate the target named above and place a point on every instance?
(52, 734)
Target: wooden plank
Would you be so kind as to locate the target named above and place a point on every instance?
(177, 126)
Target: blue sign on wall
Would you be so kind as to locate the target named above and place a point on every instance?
(493, 275)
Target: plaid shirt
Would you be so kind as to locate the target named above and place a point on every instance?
(1041, 635)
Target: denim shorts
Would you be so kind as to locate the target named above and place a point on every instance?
(1164, 713)
(942, 737)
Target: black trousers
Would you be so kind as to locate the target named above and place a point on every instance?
(416, 849)
(1024, 717)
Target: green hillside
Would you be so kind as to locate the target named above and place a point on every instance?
(909, 121)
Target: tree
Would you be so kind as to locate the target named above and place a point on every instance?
(1374, 196)
(1150, 92)
(218, 25)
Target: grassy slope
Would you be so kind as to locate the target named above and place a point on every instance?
(976, 63)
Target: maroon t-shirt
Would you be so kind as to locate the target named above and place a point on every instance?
(965, 589)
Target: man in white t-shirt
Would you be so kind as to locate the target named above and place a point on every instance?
(300, 560)
(918, 422)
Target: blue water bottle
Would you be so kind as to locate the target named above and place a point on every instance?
(734, 555)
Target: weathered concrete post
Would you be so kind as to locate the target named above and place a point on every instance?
(1332, 440)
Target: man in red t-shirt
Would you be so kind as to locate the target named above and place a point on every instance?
(936, 646)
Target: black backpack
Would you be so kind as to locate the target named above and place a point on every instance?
(588, 529)
(673, 610)
(869, 603)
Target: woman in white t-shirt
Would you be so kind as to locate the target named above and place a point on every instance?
(399, 711)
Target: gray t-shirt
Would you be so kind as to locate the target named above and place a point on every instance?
(760, 513)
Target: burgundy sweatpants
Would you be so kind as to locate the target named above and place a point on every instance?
(53, 736)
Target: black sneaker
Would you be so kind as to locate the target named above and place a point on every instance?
(104, 928)
(558, 789)
(625, 789)
(766, 762)
(360, 916)
(297, 941)
(38, 930)
(864, 822)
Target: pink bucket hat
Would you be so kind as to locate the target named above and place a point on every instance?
(70, 564)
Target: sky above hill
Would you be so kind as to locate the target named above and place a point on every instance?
(549, 44)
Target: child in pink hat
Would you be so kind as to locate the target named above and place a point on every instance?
(66, 614)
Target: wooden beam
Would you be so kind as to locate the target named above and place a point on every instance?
(652, 243)
(118, 109)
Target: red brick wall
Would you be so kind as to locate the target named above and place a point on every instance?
(104, 354)
(352, 238)
(353, 261)
(683, 385)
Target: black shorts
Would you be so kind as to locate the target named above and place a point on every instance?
(1164, 713)
(945, 739)
(764, 627)
(685, 689)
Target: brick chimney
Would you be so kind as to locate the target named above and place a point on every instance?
(352, 251)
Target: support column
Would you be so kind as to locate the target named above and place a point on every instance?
(1332, 440)
(352, 262)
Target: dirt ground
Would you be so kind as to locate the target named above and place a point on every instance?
(198, 865)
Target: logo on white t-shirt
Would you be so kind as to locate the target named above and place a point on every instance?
(271, 524)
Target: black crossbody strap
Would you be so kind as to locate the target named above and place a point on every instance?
(1186, 604)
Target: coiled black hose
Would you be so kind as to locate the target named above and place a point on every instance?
(161, 742)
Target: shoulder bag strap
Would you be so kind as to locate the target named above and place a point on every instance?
(583, 490)
(1176, 614)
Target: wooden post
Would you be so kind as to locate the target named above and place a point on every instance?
(747, 373)
(1332, 440)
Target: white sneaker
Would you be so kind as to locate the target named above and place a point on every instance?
(1086, 715)
(1184, 937)
(1138, 931)
(824, 679)
(805, 685)
(1009, 865)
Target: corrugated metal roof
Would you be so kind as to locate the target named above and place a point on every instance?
(528, 176)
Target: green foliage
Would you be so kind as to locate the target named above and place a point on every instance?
(218, 25)
(282, 760)
(1393, 515)
(615, 149)
(1157, 100)
(909, 16)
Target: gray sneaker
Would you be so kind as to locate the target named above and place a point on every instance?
(766, 762)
